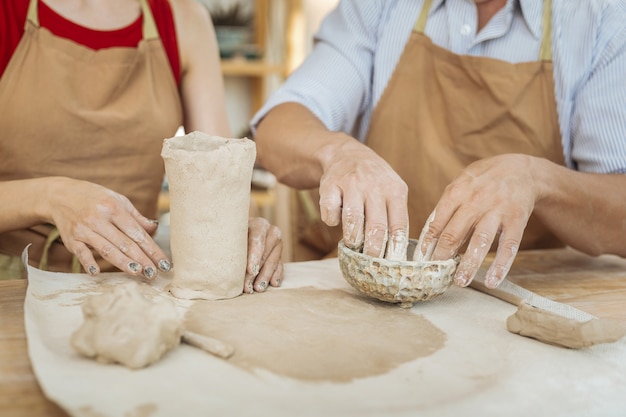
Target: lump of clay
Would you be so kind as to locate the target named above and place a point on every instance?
(555, 329)
(130, 323)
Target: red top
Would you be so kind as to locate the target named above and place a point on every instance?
(13, 17)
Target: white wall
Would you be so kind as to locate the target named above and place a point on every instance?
(315, 10)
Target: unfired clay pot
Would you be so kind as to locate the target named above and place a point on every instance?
(209, 180)
(404, 282)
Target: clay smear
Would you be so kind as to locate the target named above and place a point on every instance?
(316, 335)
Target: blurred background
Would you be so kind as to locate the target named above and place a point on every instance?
(261, 42)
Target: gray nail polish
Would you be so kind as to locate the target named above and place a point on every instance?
(92, 270)
(149, 272)
(165, 265)
(279, 282)
(262, 285)
(250, 287)
(134, 266)
(255, 269)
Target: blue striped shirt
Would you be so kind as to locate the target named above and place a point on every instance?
(360, 42)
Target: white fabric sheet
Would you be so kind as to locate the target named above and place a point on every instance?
(483, 370)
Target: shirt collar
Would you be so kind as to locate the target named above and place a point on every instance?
(532, 12)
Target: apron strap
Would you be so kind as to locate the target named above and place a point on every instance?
(545, 53)
(149, 26)
(52, 236)
(33, 14)
(420, 24)
(43, 262)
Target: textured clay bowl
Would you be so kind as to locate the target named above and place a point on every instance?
(404, 282)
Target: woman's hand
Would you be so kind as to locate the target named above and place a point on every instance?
(265, 247)
(89, 216)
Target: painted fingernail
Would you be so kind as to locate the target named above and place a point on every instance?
(262, 285)
(149, 272)
(165, 265)
(154, 221)
(279, 282)
(250, 287)
(92, 270)
(134, 267)
(255, 269)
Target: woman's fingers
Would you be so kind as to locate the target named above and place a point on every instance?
(265, 276)
(107, 223)
(264, 266)
(108, 251)
(139, 245)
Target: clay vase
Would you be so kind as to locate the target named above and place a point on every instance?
(209, 188)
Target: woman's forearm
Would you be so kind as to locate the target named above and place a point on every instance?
(23, 203)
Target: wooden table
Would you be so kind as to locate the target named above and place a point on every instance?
(595, 285)
(20, 395)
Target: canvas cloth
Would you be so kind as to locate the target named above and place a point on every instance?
(482, 369)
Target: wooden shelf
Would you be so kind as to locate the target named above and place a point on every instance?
(259, 71)
(247, 68)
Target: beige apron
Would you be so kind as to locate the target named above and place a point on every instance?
(441, 111)
(99, 116)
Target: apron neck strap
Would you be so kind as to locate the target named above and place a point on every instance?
(545, 53)
(149, 28)
(33, 15)
(420, 24)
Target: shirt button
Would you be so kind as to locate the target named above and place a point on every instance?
(466, 30)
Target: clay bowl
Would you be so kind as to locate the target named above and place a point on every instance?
(404, 282)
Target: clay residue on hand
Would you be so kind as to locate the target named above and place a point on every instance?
(316, 335)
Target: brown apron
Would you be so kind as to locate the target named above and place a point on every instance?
(99, 116)
(441, 111)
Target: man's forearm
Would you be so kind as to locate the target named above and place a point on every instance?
(586, 211)
(291, 142)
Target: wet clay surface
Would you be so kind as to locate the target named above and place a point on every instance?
(316, 335)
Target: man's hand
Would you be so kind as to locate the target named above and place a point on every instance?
(362, 191)
(491, 199)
